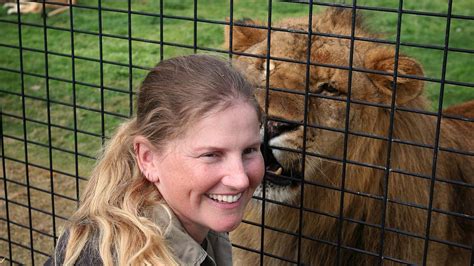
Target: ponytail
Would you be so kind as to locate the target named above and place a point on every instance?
(116, 210)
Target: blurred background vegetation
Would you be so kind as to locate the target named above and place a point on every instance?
(84, 98)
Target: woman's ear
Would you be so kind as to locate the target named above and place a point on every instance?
(146, 158)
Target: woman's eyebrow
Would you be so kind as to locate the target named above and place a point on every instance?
(210, 147)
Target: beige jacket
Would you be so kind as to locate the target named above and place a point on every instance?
(185, 249)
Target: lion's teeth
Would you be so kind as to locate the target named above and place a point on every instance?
(279, 171)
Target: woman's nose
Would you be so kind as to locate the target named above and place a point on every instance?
(236, 176)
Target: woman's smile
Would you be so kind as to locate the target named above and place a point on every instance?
(225, 198)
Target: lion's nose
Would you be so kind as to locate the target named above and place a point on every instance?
(276, 128)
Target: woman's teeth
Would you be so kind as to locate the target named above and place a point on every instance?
(225, 198)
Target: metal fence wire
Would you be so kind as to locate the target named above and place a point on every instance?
(352, 192)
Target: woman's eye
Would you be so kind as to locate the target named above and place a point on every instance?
(250, 150)
(210, 155)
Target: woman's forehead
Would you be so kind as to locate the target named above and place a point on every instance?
(221, 124)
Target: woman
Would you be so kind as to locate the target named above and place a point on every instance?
(177, 177)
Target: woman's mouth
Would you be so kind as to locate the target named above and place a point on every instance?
(225, 198)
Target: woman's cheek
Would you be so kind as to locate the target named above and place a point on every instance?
(259, 171)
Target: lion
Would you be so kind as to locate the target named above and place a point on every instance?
(357, 197)
(27, 6)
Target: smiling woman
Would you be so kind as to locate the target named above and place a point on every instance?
(176, 178)
(208, 175)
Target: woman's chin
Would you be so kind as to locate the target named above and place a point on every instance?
(226, 226)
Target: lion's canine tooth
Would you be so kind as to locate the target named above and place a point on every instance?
(279, 171)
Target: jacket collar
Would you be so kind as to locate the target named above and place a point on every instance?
(183, 247)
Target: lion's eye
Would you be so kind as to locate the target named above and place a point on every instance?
(328, 89)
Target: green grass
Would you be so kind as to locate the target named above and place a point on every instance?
(423, 30)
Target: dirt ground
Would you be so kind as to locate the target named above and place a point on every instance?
(38, 210)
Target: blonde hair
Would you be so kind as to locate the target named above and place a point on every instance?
(115, 215)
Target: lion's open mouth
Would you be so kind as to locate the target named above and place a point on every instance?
(279, 175)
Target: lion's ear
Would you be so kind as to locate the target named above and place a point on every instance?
(243, 37)
(383, 59)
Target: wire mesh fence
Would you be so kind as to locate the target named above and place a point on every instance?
(367, 145)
